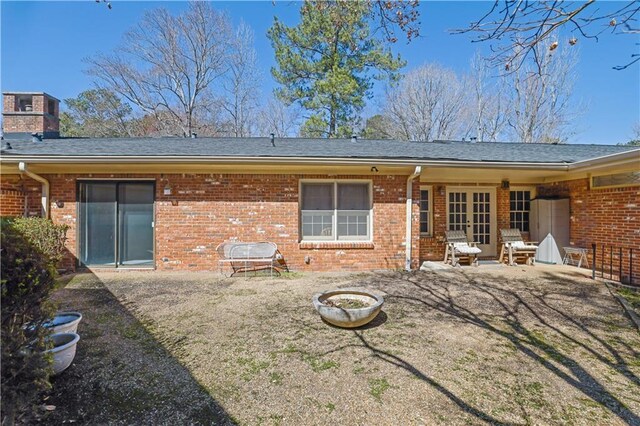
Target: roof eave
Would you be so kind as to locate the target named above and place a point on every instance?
(604, 160)
(51, 159)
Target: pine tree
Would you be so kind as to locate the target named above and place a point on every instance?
(328, 64)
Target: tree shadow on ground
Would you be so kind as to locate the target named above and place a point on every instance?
(122, 373)
(512, 305)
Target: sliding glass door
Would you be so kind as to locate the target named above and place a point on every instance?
(116, 223)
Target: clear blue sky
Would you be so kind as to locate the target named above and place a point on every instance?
(44, 43)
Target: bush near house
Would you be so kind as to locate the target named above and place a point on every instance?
(43, 235)
(30, 250)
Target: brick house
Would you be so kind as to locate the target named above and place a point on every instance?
(350, 204)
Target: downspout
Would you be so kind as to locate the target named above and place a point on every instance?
(408, 242)
(45, 187)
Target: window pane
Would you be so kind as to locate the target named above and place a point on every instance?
(317, 225)
(352, 225)
(317, 196)
(353, 196)
(97, 223)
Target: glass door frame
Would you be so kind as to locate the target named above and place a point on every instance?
(492, 249)
(115, 181)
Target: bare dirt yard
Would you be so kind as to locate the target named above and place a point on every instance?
(501, 345)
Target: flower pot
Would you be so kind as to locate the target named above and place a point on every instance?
(63, 351)
(64, 322)
(348, 317)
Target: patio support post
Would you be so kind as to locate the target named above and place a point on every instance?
(45, 187)
(408, 241)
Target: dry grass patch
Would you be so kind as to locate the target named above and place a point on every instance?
(536, 345)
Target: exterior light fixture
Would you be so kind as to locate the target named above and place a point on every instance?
(167, 189)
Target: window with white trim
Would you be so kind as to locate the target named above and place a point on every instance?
(425, 210)
(520, 205)
(335, 211)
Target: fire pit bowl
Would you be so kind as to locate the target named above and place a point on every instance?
(348, 308)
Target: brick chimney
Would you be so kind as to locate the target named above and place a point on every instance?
(24, 113)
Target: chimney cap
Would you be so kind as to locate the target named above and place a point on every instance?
(32, 93)
(36, 137)
(354, 138)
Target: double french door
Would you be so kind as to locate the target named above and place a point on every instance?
(116, 223)
(473, 210)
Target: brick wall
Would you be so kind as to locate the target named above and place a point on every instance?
(609, 217)
(15, 190)
(605, 216)
(205, 210)
(8, 102)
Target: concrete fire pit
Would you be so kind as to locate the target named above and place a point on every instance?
(348, 308)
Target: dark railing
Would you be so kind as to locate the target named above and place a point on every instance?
(615, 263)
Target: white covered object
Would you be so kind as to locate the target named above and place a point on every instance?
(548, 251)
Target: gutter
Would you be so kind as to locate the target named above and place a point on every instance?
(123, 159)
(45, 187)
(407, 260)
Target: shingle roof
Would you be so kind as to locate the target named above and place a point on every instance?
(314, 148)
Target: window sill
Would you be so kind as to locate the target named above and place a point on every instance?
(336, 245)
(426, 236)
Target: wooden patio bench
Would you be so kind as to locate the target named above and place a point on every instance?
(516, 248)
(458, 247)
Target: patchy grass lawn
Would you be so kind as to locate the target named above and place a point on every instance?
(522, 345)
(631, 296)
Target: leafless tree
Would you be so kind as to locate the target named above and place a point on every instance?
(278, 118)
(430, 103)
(524, 28)
(542, 108)
(242, 83)
(168, 64)
(491, 104)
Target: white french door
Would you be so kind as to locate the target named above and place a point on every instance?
(473, 210)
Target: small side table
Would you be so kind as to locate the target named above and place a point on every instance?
(575, 256)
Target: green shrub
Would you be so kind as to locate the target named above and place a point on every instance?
(27, 281)
(44, 235)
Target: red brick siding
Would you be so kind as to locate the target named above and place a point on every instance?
(8, 103)
(607, 217)
(205, 210)
(13, 189)
(12, 202)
